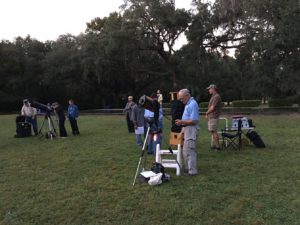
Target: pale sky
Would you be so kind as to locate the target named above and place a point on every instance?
(47, 19)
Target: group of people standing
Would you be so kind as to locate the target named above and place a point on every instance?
(30, 114)
(140, 120)
(190, 125)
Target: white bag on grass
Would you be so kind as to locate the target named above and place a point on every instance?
(155, 180)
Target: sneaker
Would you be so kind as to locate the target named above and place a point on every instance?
(193, 174)
(189, 174)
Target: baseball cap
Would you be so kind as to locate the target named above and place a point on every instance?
(212, 86)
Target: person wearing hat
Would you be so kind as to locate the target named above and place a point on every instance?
(213, 114)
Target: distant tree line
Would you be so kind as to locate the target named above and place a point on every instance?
(131, 52)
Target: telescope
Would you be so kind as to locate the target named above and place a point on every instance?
(150, 104)
(46, 108)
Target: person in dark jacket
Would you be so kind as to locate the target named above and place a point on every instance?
(73, 113)
(61, 119)
(128, 113)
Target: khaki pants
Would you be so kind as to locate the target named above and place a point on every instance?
(190, 156)
(213, 124)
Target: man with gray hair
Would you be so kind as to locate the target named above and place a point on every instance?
(190, 124)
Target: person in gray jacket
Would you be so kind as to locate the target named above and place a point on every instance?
(139, 123)
(128, 111)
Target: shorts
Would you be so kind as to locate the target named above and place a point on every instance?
(213, 124)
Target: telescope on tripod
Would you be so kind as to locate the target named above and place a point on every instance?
(176, 138)
(48, 109)
(153, 106)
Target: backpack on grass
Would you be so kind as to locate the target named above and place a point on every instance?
(159, 168)
(255, 139)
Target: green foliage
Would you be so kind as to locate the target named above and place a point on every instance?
(132, 52)
(9, 103)
(87, 179)
(280, 102)
(158, 26)
(246, 103)
(203, 105)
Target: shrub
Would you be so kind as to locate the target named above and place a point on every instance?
(203, 105)
(280, 102)
(9, 103)
(246, 103)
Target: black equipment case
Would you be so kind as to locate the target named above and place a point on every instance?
(20, 119)
(23, 130)
(255, 139)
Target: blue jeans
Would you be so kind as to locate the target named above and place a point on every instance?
(138, 138)
(161, 124)
(33, 123)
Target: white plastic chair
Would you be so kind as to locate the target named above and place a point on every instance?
(169, 163)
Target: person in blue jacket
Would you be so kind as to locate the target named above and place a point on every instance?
(73, 113)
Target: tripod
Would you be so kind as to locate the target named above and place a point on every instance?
(51, 129)
(141, 157)
(150, 131)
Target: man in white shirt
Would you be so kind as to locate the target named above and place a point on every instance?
(30, 115)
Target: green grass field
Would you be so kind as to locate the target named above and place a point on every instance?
(87, 179)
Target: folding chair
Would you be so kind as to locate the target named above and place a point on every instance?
(224, 122)
(232, 138)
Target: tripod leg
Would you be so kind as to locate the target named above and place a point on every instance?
(144, 146)
(40, 131)
(53, 127)
(50, 134)
(137, 169)
(142, 154)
